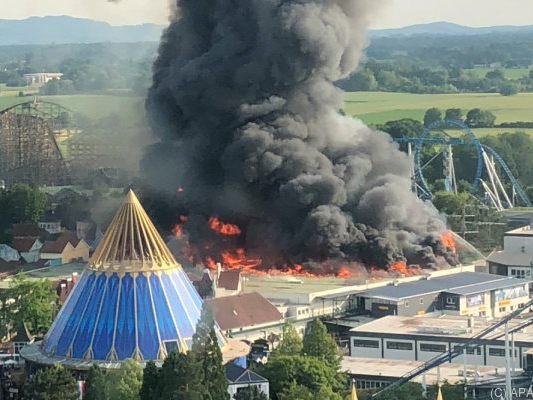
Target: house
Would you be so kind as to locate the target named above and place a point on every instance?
(227, 283)
(50, 223)
(240, 378)
(248, 315)
(29, 248)
(8, 253)
(65, 249)
(41, 78)
(21, 231)
(90, 232)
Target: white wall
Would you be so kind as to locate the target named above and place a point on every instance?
(399, 354)
(365, 352)
(232, 389)
(515, 244)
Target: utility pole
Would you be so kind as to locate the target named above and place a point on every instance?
(508, 386)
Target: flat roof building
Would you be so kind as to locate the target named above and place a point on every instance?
(423, 338)
(467, 293)
(516, 258)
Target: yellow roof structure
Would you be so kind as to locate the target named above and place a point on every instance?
(354, 392)
(132, 243)
(439, 394)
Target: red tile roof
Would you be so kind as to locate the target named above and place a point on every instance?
(244, 310)
(229, 280)
(26, 230)
(23, 245)
(57, 246)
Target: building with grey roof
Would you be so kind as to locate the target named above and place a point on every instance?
(467, 293)
(516, 258)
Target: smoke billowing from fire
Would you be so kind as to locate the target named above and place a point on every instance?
(247, 116)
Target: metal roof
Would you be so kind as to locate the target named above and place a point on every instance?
(434, 285)
(488, 286)
(511, 258)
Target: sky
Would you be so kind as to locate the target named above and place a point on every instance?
(396, 13)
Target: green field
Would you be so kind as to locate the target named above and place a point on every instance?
(94, 107)
(510, 73)
(380, 107)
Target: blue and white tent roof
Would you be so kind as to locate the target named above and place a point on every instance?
(134, 300)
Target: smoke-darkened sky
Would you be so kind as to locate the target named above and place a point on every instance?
(398, 13)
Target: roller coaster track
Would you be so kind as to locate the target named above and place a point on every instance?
(468, 139)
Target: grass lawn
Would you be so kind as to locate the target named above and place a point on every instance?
(380, 107)
(94, 107)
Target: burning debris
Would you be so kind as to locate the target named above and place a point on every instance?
(245, 108)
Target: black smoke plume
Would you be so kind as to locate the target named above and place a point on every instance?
(247, 117)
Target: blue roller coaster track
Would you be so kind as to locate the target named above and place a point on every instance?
(468, 138)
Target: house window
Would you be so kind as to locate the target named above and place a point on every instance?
(503, 309)
(451, 300)
(469, 350)
(406, 304)
(433, 348)
(421, 301)
(370, 344)
(399, 346)
(523, 248)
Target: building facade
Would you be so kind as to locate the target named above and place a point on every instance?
(516, 258)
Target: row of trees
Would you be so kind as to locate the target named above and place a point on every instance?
(475, 118)
(393, 77)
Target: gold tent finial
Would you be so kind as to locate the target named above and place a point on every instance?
(131, 242)
(354, 392)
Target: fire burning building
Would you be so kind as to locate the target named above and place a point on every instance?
(265, 172)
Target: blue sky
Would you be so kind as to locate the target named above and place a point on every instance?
(395, 13)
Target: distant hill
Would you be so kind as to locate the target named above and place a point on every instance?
(447, 29)
(65, 30)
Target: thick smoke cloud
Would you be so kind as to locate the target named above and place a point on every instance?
(247, 116)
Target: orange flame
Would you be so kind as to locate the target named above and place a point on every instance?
(224, 229)
(344, 273)
(177, 230)
(447, 241)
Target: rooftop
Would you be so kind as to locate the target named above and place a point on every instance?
(523, 231)
(26, 230)
(511, 258)
(23, 245)
(445, 325)
(471, 282)
(244, 310)
(397, 368)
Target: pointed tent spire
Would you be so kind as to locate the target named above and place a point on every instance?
(354, 392)
(439, 394)
(132, 243)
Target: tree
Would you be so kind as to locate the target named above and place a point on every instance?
(296, 392)
(454, 114)
(250, 393)
(432, 116)
(205, 352)
(96, 384)
(54, 383)
(495, 75)
(150, 388)
(21, 203)
(33, 303)
(179, 377)
(125, 383)
(406, 127)
(320, 344)
(450, 203)
(361, 81)
(480, 119)
(509, 89)
(291, 343)
(282, 371)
